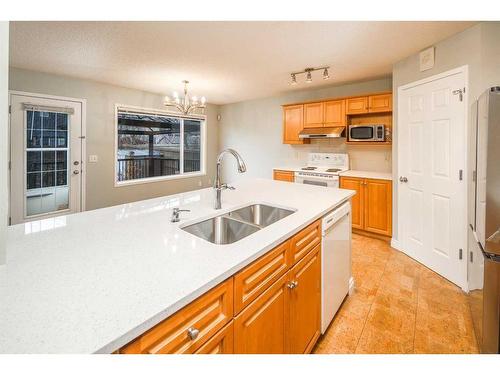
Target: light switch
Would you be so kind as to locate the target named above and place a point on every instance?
(93, 158)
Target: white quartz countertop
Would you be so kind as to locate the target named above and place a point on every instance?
(92, 282)
(367, 174)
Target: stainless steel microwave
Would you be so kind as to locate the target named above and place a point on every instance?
(367, 133)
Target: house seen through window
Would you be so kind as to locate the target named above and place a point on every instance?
(154, 146)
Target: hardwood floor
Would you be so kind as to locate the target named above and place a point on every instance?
(398, 306)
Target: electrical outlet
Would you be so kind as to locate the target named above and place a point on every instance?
(93, 158)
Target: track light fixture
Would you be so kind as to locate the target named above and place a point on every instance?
(308, 73)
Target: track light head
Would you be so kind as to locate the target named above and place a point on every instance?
(293, 82)
(325, 74)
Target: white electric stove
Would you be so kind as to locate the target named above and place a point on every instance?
(323, 169)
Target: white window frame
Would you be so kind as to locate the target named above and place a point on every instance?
(182, 174)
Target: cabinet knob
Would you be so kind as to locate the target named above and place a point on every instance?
(292, 284)
(193, 333)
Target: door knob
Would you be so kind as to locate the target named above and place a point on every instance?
(76, 162)
(193, 333)
(403, 179)
(76, 172)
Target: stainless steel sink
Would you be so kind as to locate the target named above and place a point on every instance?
(235, 225)
(221, 230)
(260, 214)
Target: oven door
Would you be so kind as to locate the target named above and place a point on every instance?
(318, 181)
(361, 133)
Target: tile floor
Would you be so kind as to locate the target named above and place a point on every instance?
(398, 306)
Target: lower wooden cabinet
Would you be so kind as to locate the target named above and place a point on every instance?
(261, 327)
(305, 303)
(221, 343)
(371, 207)
(283, 175)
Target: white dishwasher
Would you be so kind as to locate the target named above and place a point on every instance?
(335, 262)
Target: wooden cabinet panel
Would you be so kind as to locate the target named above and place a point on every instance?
(357, 201)
(378, 206)
(293, 123)
(250, 282)
(207, 314)
(380, 103)
(261, 327)
(313, 115)
(221, 343)
(335, 113)
(305, 241)
(305, 303)
(357, 105)
(284, 176)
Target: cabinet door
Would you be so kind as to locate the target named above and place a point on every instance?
(313, 115)
(261, 327)
(378, 206)
(305, 303)
(380, 103)
(221, 343)
(335, 113)
(293, 123)
(205, 316)
(357, 201)
(357, 105)
(284, 176)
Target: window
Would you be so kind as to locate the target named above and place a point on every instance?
(152, 145)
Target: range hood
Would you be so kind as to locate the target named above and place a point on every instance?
(332, 132)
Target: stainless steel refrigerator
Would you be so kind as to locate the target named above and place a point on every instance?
(484, 221)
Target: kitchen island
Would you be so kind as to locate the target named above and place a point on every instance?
(94, 281)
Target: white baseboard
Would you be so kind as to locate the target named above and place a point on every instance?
(396, 244)
(351, 285)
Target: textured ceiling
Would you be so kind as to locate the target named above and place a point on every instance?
(225, 61)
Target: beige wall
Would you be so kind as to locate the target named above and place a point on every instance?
(101, 99)
(254, 128)
(478, 47)
(4, 134)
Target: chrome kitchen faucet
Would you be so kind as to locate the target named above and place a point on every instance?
(219, 186)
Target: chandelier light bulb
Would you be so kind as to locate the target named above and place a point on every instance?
(195, 99)
(166, 99)
(186, 104)
(175, 94)
(203, 100)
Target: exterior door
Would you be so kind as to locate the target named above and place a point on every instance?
(432, 195)
(46, 157)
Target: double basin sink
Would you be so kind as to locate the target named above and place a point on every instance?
(235, 225)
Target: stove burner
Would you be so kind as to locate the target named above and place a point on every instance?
(309, 168)
(333, 170)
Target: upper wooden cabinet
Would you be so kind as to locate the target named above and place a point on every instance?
(313, 115)
(293, 123)
(371, 207)
(288, 176)
(357, 105)
(334, 113)
(380, 103)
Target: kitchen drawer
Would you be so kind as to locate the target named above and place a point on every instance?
(250, 282)
(208, 314)
(221, 343)
(305, 241)
(284, 175)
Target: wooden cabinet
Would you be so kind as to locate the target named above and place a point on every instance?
(306, 240)
(378, 206)
(221, 343)
(380, 103)
(334, 113)
(305, 303)
(283, 175)
(293, 123)
(313, 115)
(357, 201)
(261, 327)
(189, 328)
(372, 205)
(250, 282)
(357, 105)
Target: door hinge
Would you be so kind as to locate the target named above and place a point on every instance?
(10, 165)
(474, 176)
(10, 109)
(460, 174)
(460, 254)
(460, 93)
(471, 257)
(10, 220)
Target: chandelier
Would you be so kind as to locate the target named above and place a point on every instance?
(187, 104)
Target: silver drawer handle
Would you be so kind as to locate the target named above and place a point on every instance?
(193, 333)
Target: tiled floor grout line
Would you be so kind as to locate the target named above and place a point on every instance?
(416, 308)
(371, 304)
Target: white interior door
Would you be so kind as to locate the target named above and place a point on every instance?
(431, 192)
(46, 157)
